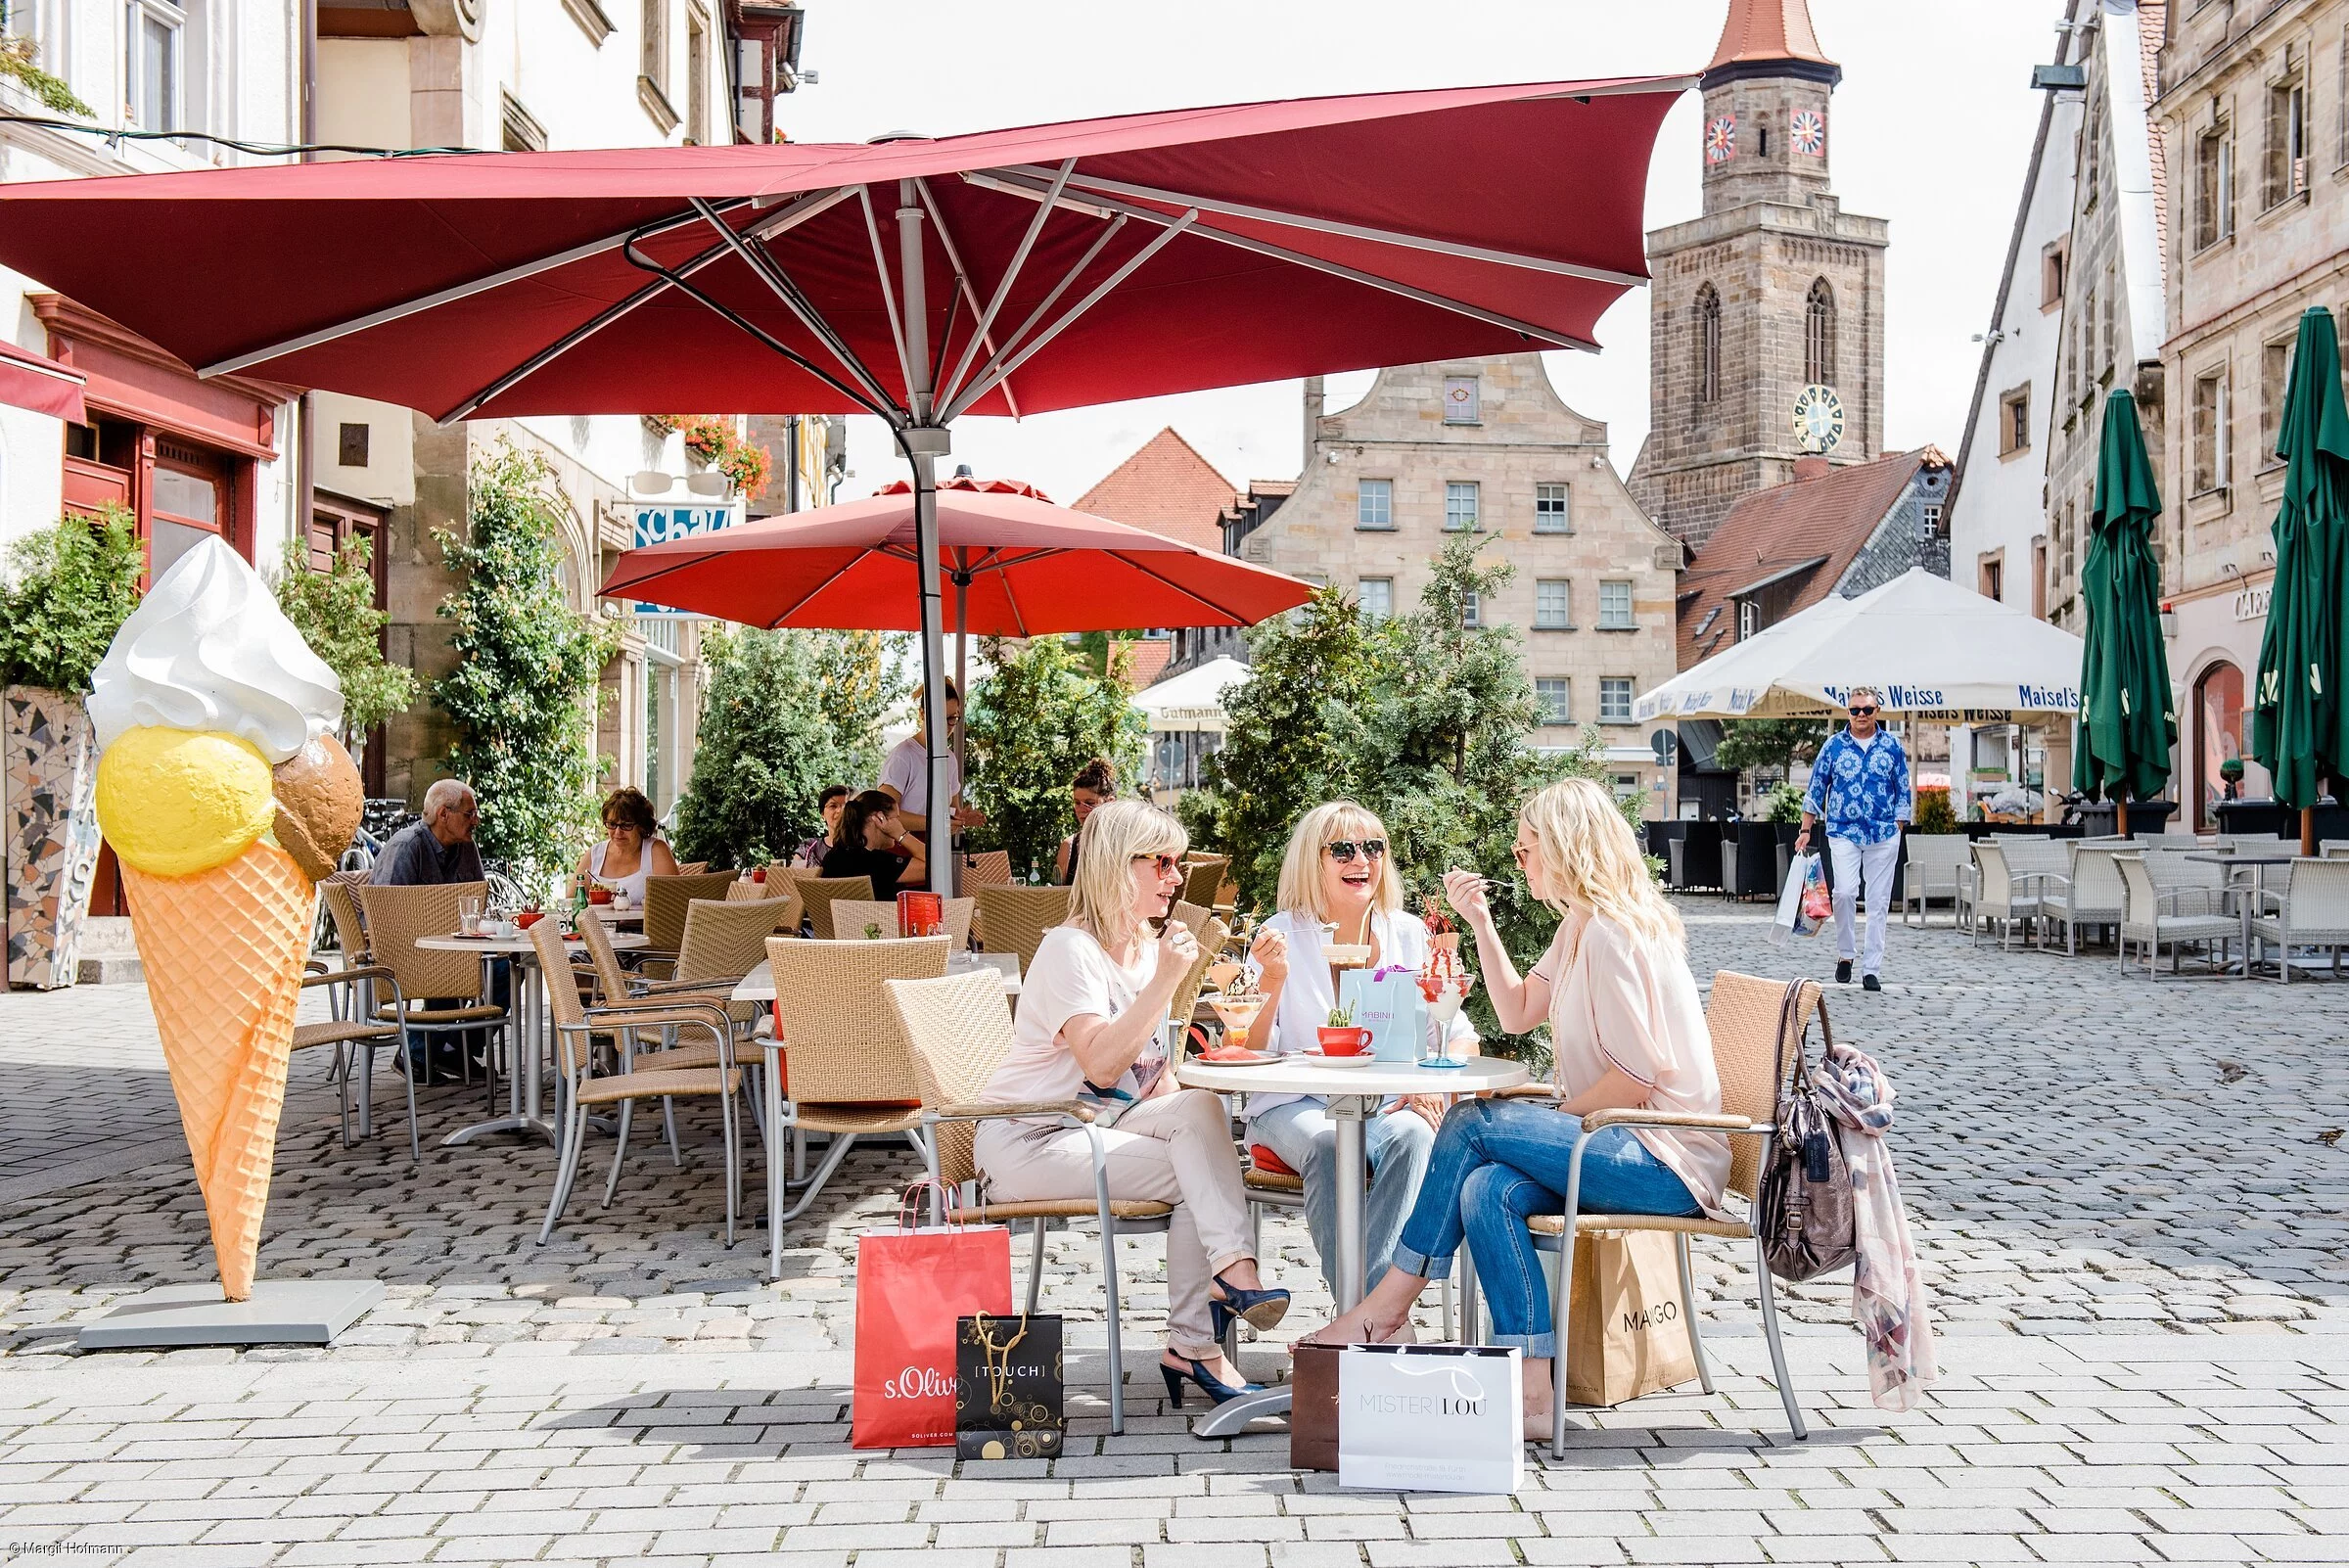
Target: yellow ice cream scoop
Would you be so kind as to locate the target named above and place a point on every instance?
(176, 802)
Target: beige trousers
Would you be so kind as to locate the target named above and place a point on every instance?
(1173, 1149)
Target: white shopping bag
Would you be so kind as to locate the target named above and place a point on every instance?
(1791, 921)
(1431, 1418)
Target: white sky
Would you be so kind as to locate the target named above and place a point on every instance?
(1930, 129)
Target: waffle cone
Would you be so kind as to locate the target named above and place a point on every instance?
(223, 950)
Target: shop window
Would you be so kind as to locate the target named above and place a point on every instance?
(2217, 737)
(187, 503)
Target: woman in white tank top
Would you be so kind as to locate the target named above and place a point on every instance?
(628, 851)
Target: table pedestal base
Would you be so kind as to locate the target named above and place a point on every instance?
(281, 1312)
(1233, 1414)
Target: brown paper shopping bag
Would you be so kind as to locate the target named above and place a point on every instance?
(1630, 1333)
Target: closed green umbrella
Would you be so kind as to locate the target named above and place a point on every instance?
(2127, 725)
(2298, 720)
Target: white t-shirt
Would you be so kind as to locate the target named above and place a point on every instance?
(906, 770)
(1072, 977)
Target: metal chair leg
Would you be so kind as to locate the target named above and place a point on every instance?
(1696, 1338)
(842, 1142)
(733, 1164)
(1035, 1268)
(1777, 1353)
(620, 1151)
(1117, 1345)
(565, 1173)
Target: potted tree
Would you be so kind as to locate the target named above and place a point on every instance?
(71, 588)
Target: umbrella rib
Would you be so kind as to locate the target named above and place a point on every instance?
(1161, 577)
(1352, 231)
(778, 282)
(987, 382)
(1092, 252)
(442, 296)
(889, 292)
(789, 218)
(1278, 253)
(969, 294)
(1011, 273)
(802, 602)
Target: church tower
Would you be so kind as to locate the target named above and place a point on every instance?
(1765, 315)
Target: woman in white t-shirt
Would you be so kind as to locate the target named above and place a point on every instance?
(1338, 872)
(1627, 1033)
(1088, 1029)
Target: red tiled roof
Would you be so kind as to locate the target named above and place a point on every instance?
(1149, 656)
(1767, 29)
(1167, 488)
(1776, 530)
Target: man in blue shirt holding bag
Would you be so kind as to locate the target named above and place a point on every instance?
(1859, 788)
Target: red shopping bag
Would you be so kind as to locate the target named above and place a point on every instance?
(912, 1285)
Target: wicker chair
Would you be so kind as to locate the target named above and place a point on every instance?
(1753, 1062)
(1185, 1007)
(342, 909)
(1203, 879)
(819, 893)
(665, 901)
(837, 1063)
(989, 868)
(584, 1087)
(959, 1032)
(859, 918)
(1932, 871)
(692, 868)
(2310, 910)
(1014, 921)
(2154, 916)
(355, 1026)
(395, 918)
(2091, 894)
(1995, 891)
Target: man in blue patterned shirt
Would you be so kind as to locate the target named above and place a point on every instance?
(1859, 787)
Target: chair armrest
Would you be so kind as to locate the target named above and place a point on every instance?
(707, 1015)
(2261, 897)
(1642, 1117)
(2042, 876)
(316, 966)
(989, 1112)
(714, 984)
(1527, 1092)
(344, 977)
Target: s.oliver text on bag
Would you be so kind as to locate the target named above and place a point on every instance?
(919, 1383)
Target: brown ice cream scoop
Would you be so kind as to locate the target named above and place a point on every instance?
(318, 806)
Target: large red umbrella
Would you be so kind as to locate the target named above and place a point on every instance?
(1008, 272)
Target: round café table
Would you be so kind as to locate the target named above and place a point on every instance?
(526, 1104)
(1353, 1094)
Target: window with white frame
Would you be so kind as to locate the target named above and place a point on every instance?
(1615, 698)
(1377, 596)
(1615, 607)
(1472, 610)
(1374, 504)
(1553, 509)
(1459, 506)
(1749, 619)
(1553, 603)
(1556, 694)
(1463, 402)
(154, 64)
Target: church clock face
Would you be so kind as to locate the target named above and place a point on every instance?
(1721, 140)
(1817, 419)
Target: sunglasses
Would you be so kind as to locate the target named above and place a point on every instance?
(1343, 851)
(1863, 712)
(1164, 865)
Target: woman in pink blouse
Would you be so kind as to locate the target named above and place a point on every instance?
(1627, 1032)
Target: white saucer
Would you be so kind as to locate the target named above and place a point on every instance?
(1318, 1059)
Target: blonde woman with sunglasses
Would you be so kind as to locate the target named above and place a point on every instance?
(1627, 1030)
(1090, 1028)
(1339, 877)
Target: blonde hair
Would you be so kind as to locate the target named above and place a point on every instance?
(1590, 855)
(1118, 832)
(1301, 867)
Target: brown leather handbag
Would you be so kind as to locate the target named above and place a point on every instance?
(1803, 1214)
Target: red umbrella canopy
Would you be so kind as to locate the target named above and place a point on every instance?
(1031, 568)
(1059, 266)
(964, 482)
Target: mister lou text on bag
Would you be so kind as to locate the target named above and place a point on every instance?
(1431, 1418)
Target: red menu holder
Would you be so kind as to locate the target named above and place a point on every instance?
(921, 915)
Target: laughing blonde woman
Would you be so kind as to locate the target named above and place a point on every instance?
(1627, 1030)
(1088, 1029)
(1338, 874)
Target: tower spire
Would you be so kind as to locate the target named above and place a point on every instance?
(1767, 33)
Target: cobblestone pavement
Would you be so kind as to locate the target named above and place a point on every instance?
(2128, 1194)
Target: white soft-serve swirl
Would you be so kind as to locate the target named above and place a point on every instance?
(208, 649)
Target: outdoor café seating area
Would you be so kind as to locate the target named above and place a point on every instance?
(2240, 905)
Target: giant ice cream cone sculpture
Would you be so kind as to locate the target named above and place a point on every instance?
(226, 798)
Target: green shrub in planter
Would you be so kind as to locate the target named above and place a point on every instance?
(70, 589)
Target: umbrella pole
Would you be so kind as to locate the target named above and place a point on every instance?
(2121, 804)
(962, 678)
(2308, 830)
(925, 442)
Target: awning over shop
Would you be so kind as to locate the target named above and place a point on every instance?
(40, 384)
(1193, 699)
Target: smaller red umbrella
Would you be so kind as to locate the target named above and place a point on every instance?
(1019, 567)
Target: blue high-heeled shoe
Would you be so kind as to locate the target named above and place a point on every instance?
(1215, 1389)
(1260, 1309)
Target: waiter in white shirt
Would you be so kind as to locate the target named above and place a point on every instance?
(905, 773)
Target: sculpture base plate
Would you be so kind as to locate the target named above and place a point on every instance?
(281, 1312)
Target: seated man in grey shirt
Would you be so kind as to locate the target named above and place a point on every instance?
(438, 846)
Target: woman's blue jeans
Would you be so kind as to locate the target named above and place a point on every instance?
(1496, 1162)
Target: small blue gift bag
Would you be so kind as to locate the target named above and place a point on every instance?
(1387, 1002)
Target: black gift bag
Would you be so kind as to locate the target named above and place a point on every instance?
(1007, 1388)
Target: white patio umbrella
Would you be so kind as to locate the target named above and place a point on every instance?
(1931, 650)
(1193, 699)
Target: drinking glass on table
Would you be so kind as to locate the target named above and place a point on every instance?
(1238, 1015)
(468, 914)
